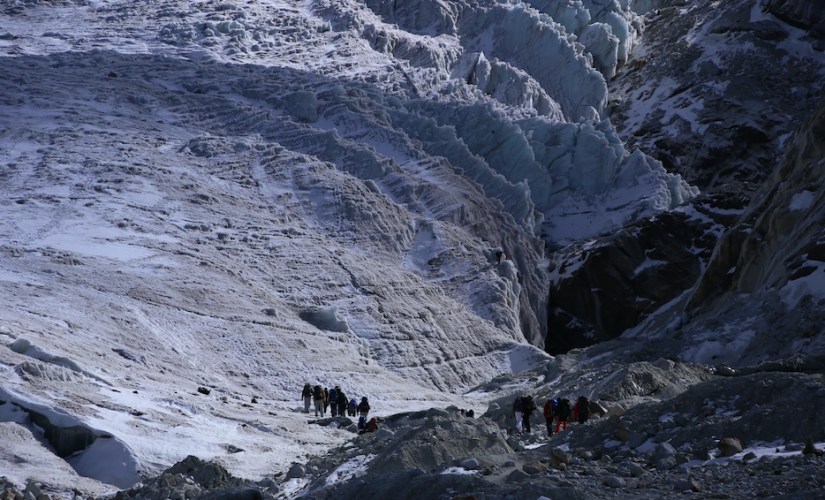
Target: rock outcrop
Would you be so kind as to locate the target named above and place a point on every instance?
(777, 244)
(719, 107)
(601, 288)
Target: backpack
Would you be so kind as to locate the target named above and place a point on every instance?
(563, 410)
(333, 395)
(352, 403)
(584, 405)
(550, 408)
(362, 423)
(529, 405)
(318, 392)
(372, 425)
(517, 403)
(364, 405)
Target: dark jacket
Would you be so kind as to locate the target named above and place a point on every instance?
(364, 406)
(563, 410)
(318, 394)
(528, 406)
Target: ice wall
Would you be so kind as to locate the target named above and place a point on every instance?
(542, 48)
(505, 83)
(534, 132)
(551, 161)
(580, 15)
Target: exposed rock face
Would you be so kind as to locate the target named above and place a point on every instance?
(715, 108)
(430, 441)
(805, 14)
(599, 289)
(709, 111)
(778, 241)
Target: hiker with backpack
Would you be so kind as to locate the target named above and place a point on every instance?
(549, 414)
(342, 402)
(306, 395)
(562, 413)
(353, 406)
(364, 407)
(527, 409)
(326, 399)
(365, 425)
(581, 411)
(332, 399)
(518, 411)
(318, 397)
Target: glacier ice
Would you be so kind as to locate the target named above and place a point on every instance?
(326, 318)
(534, 135)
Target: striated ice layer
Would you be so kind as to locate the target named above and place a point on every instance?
(541, 47)
(553, 161)
(609, 30)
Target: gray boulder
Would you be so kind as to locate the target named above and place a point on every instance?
(664, 450)
(687, 485)
(436, 442)
(516, 476)
(205, 474)
(437, 412)
(636, 439)
(614, 482)
(470, 464)
(666, 463)
(384, 433)
(515, 444)
(296, 471)
(558, 457)
(729, 446)
(533, 468)
(623, 432)
(340, 422)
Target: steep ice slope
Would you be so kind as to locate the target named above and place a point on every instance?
(147, 252)
(580, 177)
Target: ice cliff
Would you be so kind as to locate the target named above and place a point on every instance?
(523, 87)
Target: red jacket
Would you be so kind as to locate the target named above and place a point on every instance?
(586, 411)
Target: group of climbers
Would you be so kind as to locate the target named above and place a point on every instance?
(336, 401)
(323, 398)
(558, 410)
(523, 408)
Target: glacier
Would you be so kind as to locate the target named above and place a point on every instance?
(251, 197)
